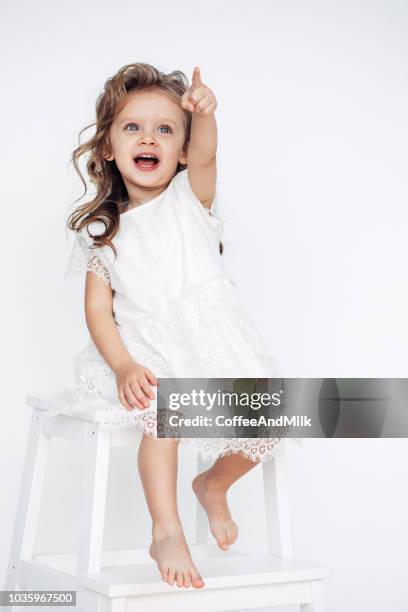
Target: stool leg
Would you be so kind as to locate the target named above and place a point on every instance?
(277, 505)
(202, 527)
(97, 450)
(115, 605)
(31, 486)
(317, 601)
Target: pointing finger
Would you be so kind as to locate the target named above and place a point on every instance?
(196, 80)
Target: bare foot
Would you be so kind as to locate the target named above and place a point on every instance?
(170, 551)
(214, 502)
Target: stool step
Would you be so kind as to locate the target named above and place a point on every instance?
(227, 572)
(139, 575)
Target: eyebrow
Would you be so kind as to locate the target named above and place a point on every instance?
(135, 119)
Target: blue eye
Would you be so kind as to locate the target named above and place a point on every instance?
(128, 125)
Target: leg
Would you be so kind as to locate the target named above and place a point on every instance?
(95, 482)
(211, 489)
(317, 599)
(31, 486)
(157, 461)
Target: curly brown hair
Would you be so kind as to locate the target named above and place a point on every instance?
(111, 191)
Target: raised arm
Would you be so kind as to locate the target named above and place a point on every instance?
(202, 148)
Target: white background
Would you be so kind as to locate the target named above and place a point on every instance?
(312, 122)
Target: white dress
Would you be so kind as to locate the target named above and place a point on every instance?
(176, 310)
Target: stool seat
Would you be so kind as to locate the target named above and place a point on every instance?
(48, 401)
(128, 580)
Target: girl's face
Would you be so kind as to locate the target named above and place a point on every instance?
(148, 122)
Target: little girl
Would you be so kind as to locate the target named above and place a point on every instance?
(158, 302)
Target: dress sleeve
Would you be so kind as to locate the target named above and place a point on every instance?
(97, 267)
(215, 222)
(84, 259)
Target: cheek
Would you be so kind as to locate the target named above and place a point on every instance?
(175, 147)
(122, 148)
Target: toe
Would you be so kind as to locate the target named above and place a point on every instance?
(197, 581)
(223, 541)
(170, 576)
(219, 537)
(231, 536)
(180, 578)
(187, 579)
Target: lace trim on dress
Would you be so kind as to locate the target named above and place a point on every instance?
(95, 266)
(76, 402)
(83, 259)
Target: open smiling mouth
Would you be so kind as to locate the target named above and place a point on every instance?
(147, 163)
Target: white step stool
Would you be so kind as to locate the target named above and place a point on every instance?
(128, 580)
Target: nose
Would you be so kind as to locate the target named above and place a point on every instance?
(147, 138)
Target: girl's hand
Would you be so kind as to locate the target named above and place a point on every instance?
(199, 98)
(133, 381)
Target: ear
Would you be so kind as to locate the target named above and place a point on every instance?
(109, 157)
(107, 154)
(183, 157)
